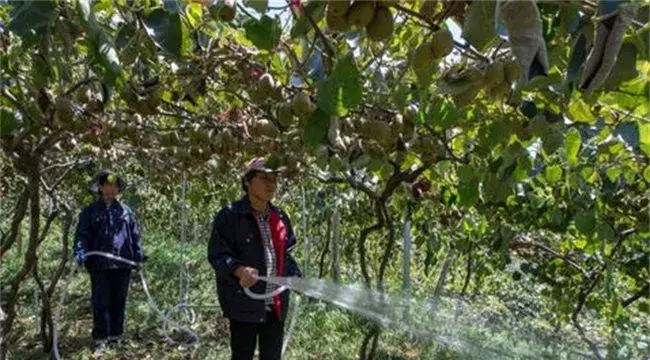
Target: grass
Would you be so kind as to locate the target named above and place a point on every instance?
(321, 331)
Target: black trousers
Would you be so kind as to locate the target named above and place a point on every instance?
(244, 337)
(109, 291)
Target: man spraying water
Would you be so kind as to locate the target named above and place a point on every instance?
(252, 238)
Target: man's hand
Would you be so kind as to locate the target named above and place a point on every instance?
(247, 276)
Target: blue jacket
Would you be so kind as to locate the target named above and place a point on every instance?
(96, 230)
(235, 241)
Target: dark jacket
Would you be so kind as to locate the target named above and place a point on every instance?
(236, 240)
(95, 232)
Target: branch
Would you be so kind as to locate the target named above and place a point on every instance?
(526, 241)
(79, 84)
(374, 58)
(349, 180)
(48, 224)
(47, 143)
(644, 292)
(294, 58)
(417, 15)
(329, 48)
(67, 172)
(398, 178)
(54, 166)
(15, 102)
(465, 49)
(178, 107)
(583, 335)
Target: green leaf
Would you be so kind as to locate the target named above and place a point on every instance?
(572, 143)
(605, 232)
(41, 71)
(523, 168)
(468, 193)
(102, 50)
(581, 243)
(329, 97)
(644, 137)
(478, 28)
(646, 174)
(8, 122)
(348, 77)
(613, 173)
(445, 115)
(553, 173)
(28, 16)
(167, 31)
(580, 112)
(259, 5)
(585, 221)
(194, 15)
(589, 175)
(316, 128)
(264, 33)
(552, 139)
(342, 90)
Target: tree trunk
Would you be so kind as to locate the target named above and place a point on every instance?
(46, 323)
(14, 232)
(371, 336)
(468, 276)
(30, 256)
(388, 252)
(336, 237)
(328, 236)
(406, 276)
(442, 279)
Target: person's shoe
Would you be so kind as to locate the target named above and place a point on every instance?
(100, 347)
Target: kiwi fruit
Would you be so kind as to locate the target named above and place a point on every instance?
(95, 106)
(301, 104)
(498, 91)
(466, 97)
(428, 9)
(442, 43)
(512, 71)
(64, 110)
(338, 7)
(381, 26)
(266, 83)
(361, 13)
(284, 115)
(258, 96)
(337, 22)
(228, 10)
(422, 58)
(397, 125)
(494, 74)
